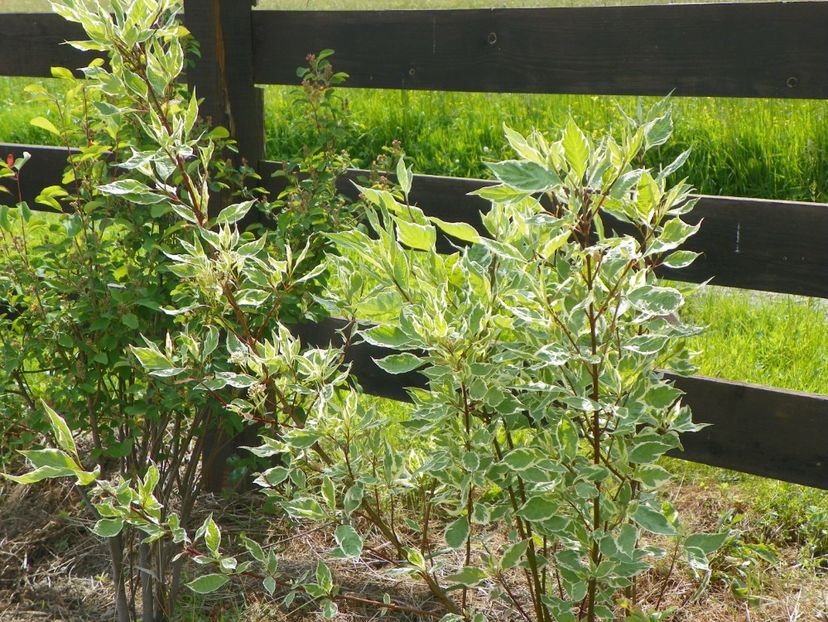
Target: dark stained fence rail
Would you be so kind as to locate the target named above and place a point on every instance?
(32, 43)
(776, 246)
(730, 50)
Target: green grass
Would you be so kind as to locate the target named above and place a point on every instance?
(780, 341)
(761, 148)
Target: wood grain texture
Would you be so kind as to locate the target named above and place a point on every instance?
(776, 246)
(31, 43)
(731, 50)
(759, 430)
(753, 429)
(223, 76)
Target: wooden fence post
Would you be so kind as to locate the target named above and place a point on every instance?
(223, 77)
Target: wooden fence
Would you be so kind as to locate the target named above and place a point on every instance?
(727, 50)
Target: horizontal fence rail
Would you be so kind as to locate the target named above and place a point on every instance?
(729, 50)
(32, 43)
(775, 246)
(754, 429)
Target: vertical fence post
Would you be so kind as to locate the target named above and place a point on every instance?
(223, 77)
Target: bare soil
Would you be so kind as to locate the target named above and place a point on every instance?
(52, 569)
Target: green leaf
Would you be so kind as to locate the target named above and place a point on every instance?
(520, 459)
(576, 149)
(538, 509)
(460, 230)
(212, 535)
(513, 554)
(469, 576)
(679, 259)
(399, 363)
(656, 300)
(45, 124)
(348, 540)
(404, 177)
(108, 527)
(707, 542)
(208, 583)
(418, 237)
(457, 532)
(524, 175)
(63, 435)
(649, 451)
(324, 577)
(234, 213)
(62, 72)
(130, 320)
(329, 610)
(653, 521)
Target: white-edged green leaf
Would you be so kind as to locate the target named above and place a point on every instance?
(656, 300)
(234, 213)
(524, 175)
(108, 527)
(63, 435)
(456, 532)
(207, 583)
(679, 259)
(653, 521)
(538, 509)
(469, 576)
(649, 451)
(513, 554)
(459, 230)
(348, 540)
(413, 235)
(399, 363)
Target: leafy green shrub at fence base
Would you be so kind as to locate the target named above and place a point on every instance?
(526, 473)
(135, 307)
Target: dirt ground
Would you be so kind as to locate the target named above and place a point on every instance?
(52, 569)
